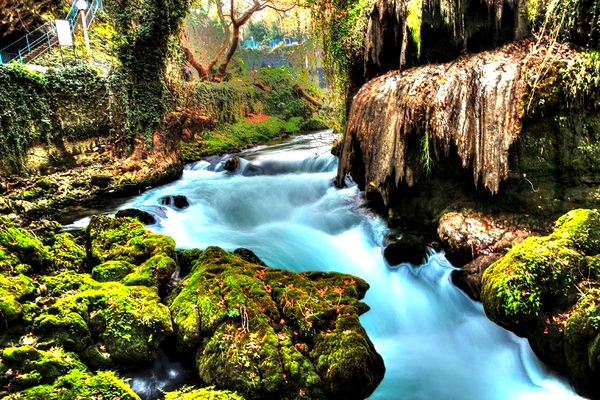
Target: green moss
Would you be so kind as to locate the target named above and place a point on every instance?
(256, 327)
(18, 246)
(79, 384)
(547, 289)
(12, 289)
(129, 322)
(67, 254)
(112, 271)
(124, 239)
(190, 393)
(25, 366)
(414, 18)
(155, 272)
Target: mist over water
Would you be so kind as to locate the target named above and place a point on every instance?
(281, 203)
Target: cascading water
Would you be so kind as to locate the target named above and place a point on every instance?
(436, 343)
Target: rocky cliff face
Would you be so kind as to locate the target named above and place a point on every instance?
(407, 33)
(400, 121)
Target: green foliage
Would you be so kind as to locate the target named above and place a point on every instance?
(140, 94)
(226, 102)
(414, 18)
(573, 20)
(342, 25)
(46, 107)
(281, 101)
(245, 133)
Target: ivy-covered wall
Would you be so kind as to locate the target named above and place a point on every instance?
(50, 109)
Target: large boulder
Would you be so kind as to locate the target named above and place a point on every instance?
(124, 239)
(546, 289)
(269, 333)
(106, 324)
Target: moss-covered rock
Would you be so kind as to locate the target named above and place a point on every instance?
(78, 384)
(12, 289)
(155, 272)
(112, 271)
(269, 333)
(106, 323)
(124, 239)
(547, 289)
(190, 393)
(19, 249)
(25, 366)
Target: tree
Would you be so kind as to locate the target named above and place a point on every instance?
(233, 15)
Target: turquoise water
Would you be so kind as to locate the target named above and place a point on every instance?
(436, 342)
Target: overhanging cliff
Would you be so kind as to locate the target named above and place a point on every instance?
(400, 121)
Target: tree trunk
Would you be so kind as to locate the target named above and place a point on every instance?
(235, 41)
(189, 55)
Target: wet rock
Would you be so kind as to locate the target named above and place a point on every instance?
(253, 170)
(102, 181)
(293, 333)
(232, 163)
(468, 234)
(248, 255)
(177, 201)
(468, 278)
(546, 289)
(405, 248)
(143, 216)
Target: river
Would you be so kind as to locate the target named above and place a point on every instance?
(435, 341)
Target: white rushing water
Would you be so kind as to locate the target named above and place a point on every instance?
(436, 342)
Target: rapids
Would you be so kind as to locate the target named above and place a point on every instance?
(281, 203)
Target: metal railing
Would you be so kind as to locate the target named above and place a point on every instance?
(42, 39)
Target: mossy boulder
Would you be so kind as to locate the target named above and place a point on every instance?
(25, 366)
(124, 239)
(38, 249)
(19, 249)
(67, 253)
(190, 393)
(105, 323)
(12, 290)
(79, 384)
(269, 333)
(112, 271)
(547, 289)
(155, 272)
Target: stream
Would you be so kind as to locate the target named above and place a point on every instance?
(435, 341)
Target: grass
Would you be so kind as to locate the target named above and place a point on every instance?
(253, 130)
